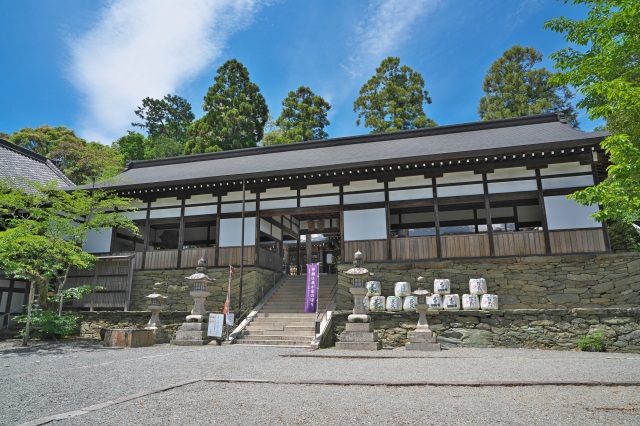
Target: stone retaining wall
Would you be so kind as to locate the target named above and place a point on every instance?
(516, 328)
(93, 324)
(537, 282)
(172, 283)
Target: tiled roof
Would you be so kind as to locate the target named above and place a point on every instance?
(546, 131)
(18, 164)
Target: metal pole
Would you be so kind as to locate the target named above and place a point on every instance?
(242, 247)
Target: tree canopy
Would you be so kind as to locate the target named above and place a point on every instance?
(235, 113)
(303, 118)
(604, 67)
(78, 159)
(393, 99)
(514, 87)
(43, 228)
(168, 117)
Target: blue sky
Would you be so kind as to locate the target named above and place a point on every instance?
(87, 65)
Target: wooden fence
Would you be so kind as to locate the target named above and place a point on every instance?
(232, 256)
(190, 257)
(521, 243)
(577, 241)
(466, 245)
(373, 250)
(411, 248)
(271, 260)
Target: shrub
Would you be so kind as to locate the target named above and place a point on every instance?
(592, 343)
(49, 325)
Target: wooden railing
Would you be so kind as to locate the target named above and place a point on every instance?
(467, 245)
(577, 241)
(232, 256)
(520, 243)
(189, 258)
(161, 259)
(411, 248)
(270, 260)
(373, 250)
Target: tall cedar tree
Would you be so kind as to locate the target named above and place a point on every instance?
(513, 87)
(303, 118)
(605, 70)
(393, 99)
(236, 113)
(80, 160)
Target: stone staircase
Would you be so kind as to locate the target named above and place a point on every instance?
(282, 320)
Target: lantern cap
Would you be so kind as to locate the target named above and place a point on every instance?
(156, 296)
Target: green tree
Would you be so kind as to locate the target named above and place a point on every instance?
(168, 117)
(43, 228)
(605, 69)
(235, 113)
(131, 146)
(80, 160)
(393, 99)
(513, 87)
(303, 118)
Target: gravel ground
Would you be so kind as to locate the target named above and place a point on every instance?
(221, 384)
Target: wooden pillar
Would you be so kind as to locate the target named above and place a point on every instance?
(487, 208)
(181, 234)
(147, 232)
(543, 213)
(436, 213)
(342, 253)
(605, 231)
(388, 219)
(256, 256)
(216, 253)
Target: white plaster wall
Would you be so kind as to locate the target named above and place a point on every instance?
(459, 177)
(278, 204)
(200, 233)
(563, 168)
(567, 182)
(98, 241)
(511, 173)
(320, 201)
(368, 224)
(364, 185)
(515, 186)
(456, 215)
(402, 182)
(141, 214)
(278, 193)
(370, 197)
(201, 210)
(202, 199)
(265, 227)
(166, 202)
(163, 213)
(566, 214)
(457, 191)
(231, 232)
(411, 194)
(418, 217)
(496, 212)
(237, 196)
(326, 188)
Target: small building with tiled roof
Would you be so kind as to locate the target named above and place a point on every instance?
(19, 165)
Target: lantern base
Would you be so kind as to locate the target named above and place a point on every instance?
(359, 336)
(422, 340)
(192, 334)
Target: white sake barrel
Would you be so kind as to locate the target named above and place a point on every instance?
(394, 303)
(477, 286)
(434, 301)
(402, 289)
(451, 301)
(409, 304)
(365, 302)
(470, 301)
(441, 286)
(376, 304)
(373, 288)
(489, 301)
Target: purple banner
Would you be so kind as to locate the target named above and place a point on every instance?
(313, 283)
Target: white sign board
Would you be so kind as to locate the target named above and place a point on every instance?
(230, 318)
(215, 325)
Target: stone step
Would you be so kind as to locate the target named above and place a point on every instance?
(276, 337)
(280, 327)
(282, 321)
(307, 332)
(279, 343)
(305, 315)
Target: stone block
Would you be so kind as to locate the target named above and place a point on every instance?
(427, 347)
(561, 299)
(359, 327)
(358, 337)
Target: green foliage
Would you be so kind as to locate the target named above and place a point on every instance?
(42, 229)
(75, 293)
(623, 237)
(303, 118)
(167, 118)
(592, 343)
(393, 99)
(236, 113)
(514, 88)
(49, 325)
(132, 146)
(78, 159)
(604, 69)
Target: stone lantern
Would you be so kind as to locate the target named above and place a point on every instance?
(358, 332)
(154, 323)
(423, 338)
(194, 330)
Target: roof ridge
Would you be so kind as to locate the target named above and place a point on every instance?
(348, 140)
(23, 151)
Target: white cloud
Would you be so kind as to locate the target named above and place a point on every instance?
(386, 25)
(143, 48)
